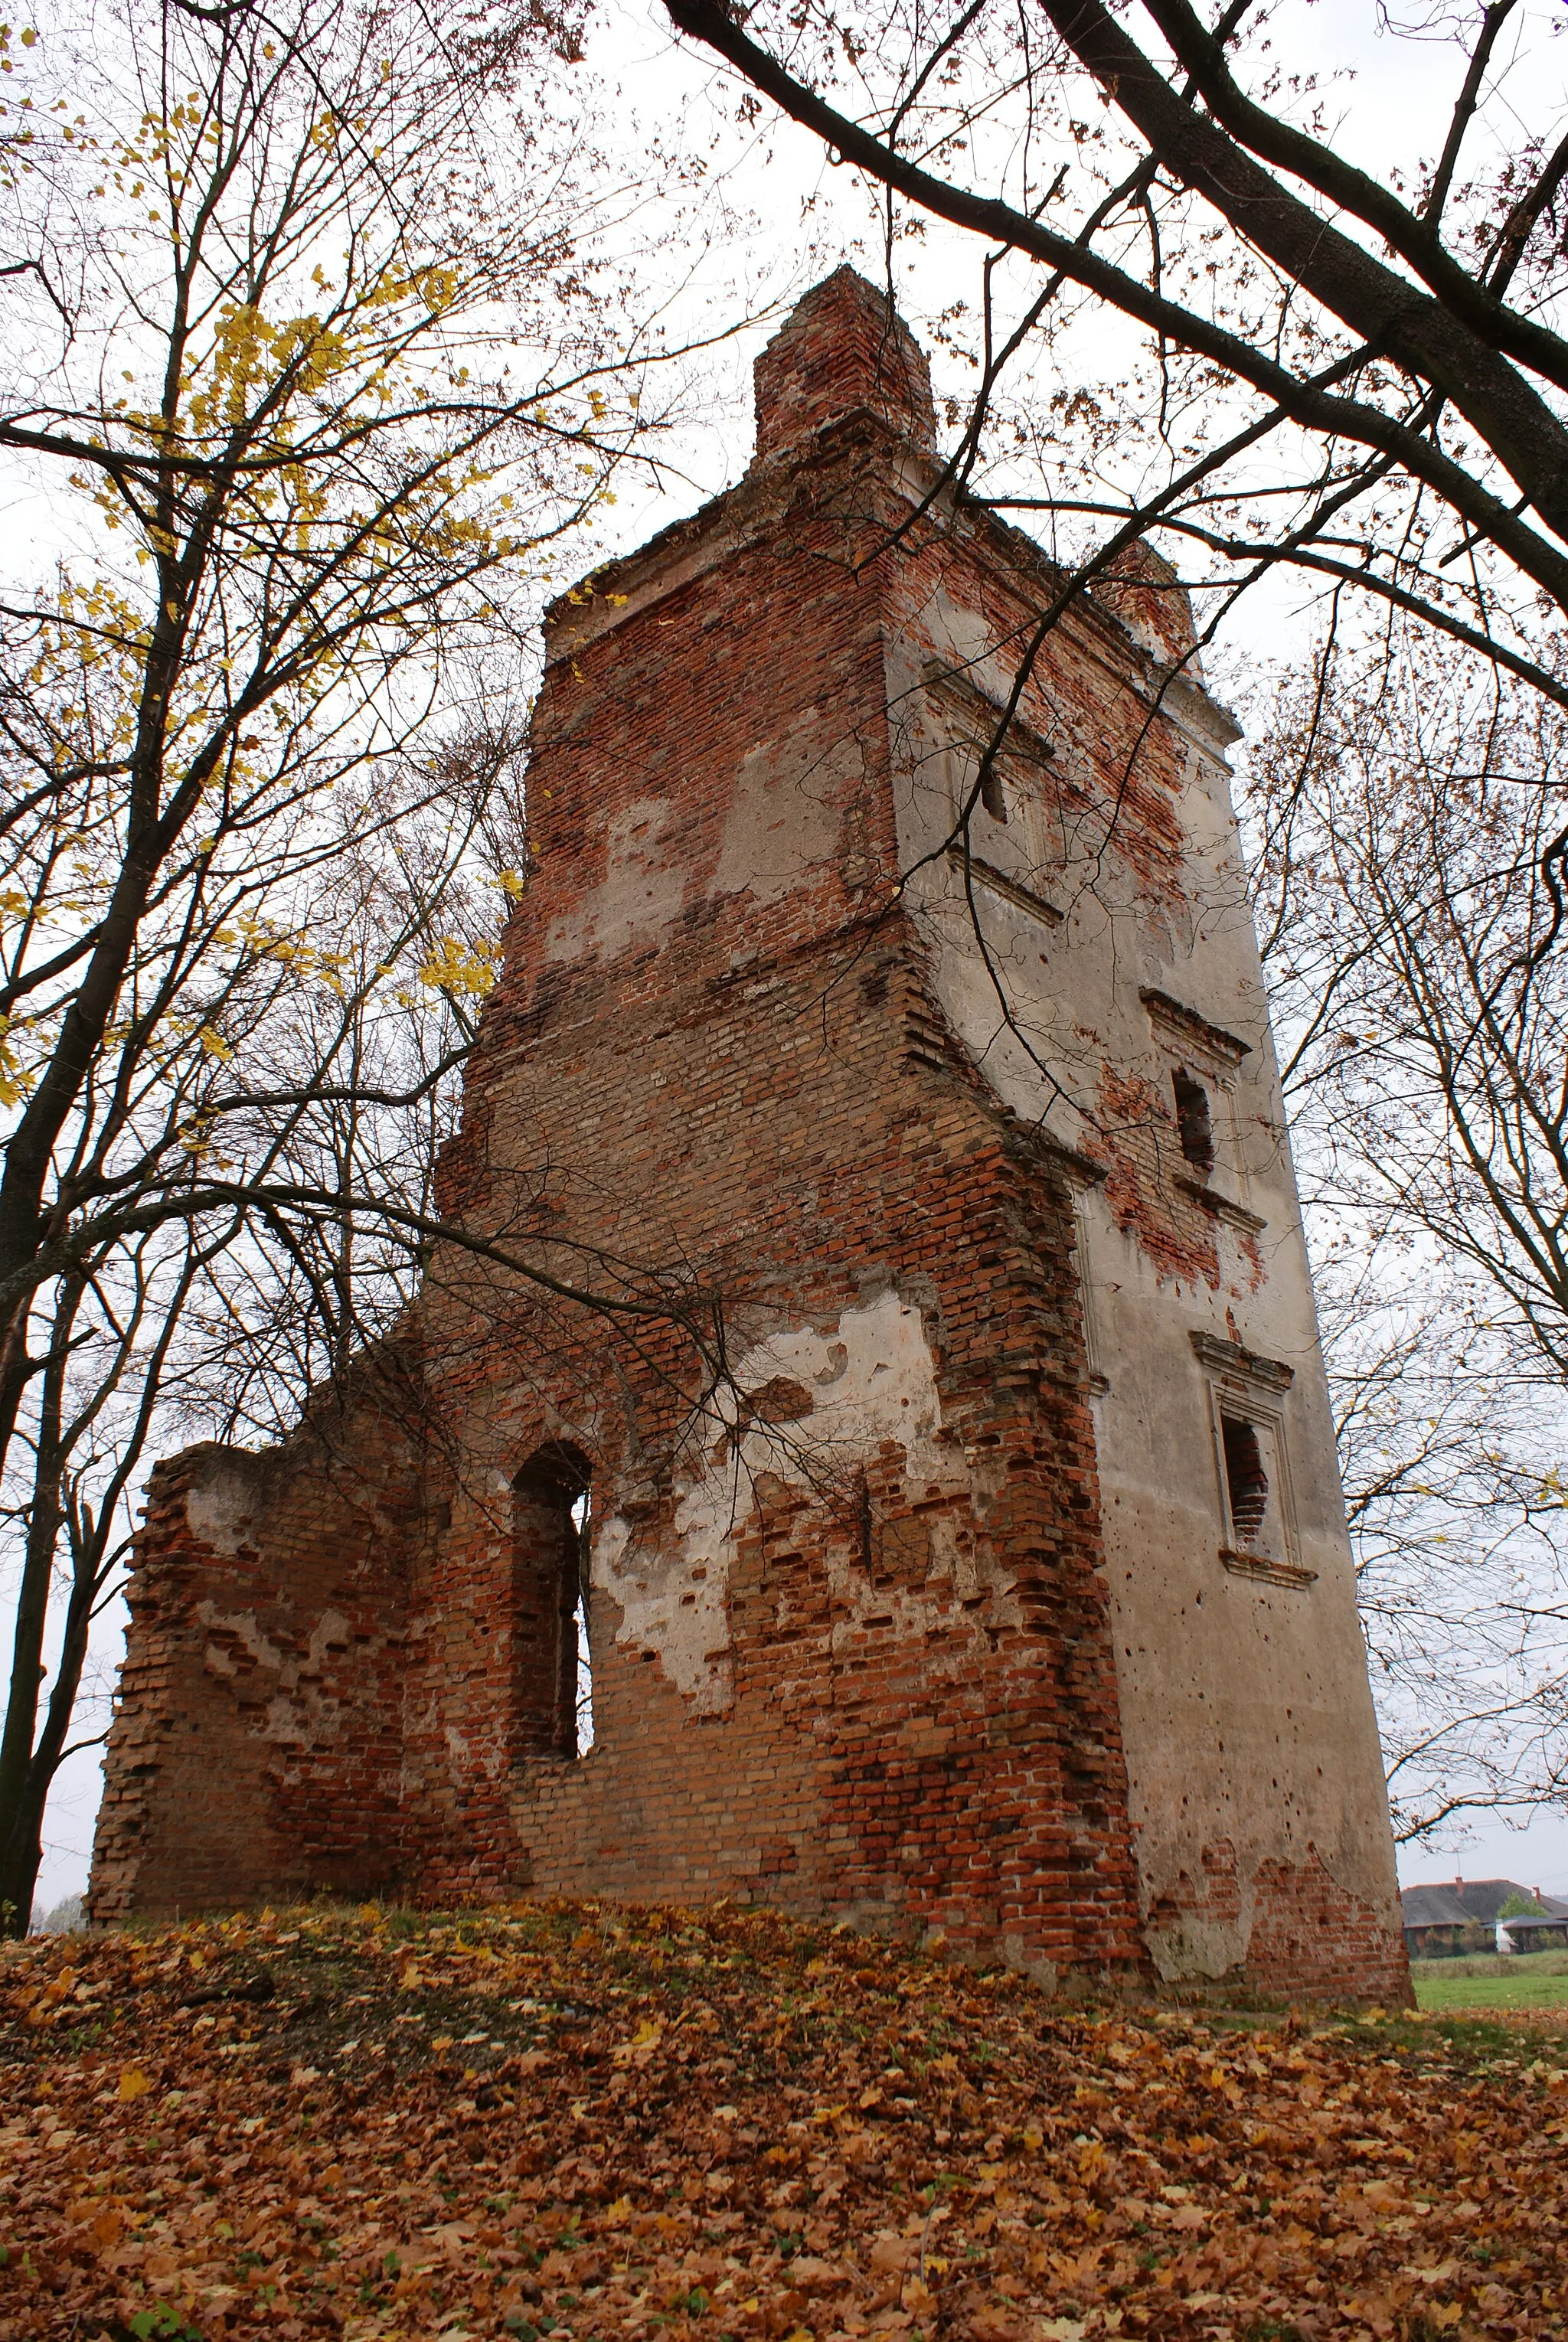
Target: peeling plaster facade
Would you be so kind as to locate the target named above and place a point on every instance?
(867, 1381)
(983, 1569)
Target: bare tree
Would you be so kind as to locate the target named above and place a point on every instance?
(312, 390)
(1412, 815)
(1453, 1493)
(1408, 810)
(1357, 375)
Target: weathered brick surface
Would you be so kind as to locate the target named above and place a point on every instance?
(852, 1648)
(258, 1736)
(1305, 1930)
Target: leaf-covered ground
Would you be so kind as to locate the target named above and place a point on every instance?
(571, 2121)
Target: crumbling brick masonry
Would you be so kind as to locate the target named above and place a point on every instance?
(958, 1547)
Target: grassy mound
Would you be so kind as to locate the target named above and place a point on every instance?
(568, 2121)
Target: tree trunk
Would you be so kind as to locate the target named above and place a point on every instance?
(22, 1846)
(18, 1760)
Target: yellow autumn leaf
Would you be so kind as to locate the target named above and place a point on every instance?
(641, 2045)
(134, 2084)
(456, 968)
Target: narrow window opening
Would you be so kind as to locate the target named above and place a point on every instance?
(1194, 1123)
(1246, 1482)
(552, 1680)
(583, 1522)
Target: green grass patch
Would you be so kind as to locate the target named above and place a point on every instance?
(1525, 1980)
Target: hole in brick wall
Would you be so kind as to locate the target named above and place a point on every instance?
(552, 1508)
(1194, 1123)
(1246, 1482)
(583, 1522)
(994, 797)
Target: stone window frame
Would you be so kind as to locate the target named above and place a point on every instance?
(963, 705)
(1187, 1044)
(1251, 1389)
(960, 713)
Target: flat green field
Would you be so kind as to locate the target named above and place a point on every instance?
(1527, 1980)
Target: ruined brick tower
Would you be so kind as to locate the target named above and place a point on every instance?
(964, 1549)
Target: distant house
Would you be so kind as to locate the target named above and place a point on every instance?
(1435, 1921)
(1467, 1917)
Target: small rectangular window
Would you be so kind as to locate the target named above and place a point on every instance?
(999, 770)
(1195, 1121)
(1257, 1510)
(1246, 1481)
(1258, 1530)
(992, 795)
(1200, 1061)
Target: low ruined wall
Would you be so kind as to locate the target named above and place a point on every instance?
(256, 1742)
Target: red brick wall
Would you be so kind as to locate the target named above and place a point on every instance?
(918, 1760)
(1307, 1935)
(256, 1743)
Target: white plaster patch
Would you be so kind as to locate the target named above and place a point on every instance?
(219, 1513)
(294, 1713)
(242, 1626)
(640, 894)
(780, 822)
(1199, 1946)
(873, 1381)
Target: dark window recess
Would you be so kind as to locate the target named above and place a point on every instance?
(553, 1683)
(1246, 1482)
(992, 796)
(1194, 1123)
(583, 1522)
